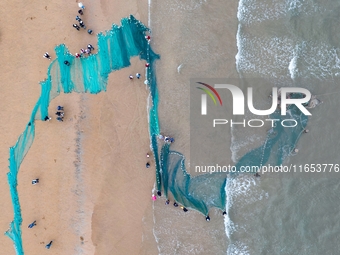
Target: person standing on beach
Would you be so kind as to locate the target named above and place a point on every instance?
(60, 119)
(90, 31)
(130, 77)
(80, 12)
(46, 55)
(184, 209)
(81, 23)
(78, 19)
(47, 118)
(76, 26)
(35, 181)
(81, 6)
(60, 114)
(48, 246)
(89, 46)
(137, 75)
(32, 224)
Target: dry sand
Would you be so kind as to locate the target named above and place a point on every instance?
(94, 188)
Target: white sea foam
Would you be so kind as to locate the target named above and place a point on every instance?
(237, 248)
(239, 48)
(292, 67)
(179, 68)
(229, 225)
(235, 187)
(271, 56)
(255, 11)
(321, 60)
(263, 56)
(242, 192)
(277, 56)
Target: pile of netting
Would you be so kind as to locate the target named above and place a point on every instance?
(208, 190)
(88, 74)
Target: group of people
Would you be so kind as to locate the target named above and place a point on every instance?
(60, 116)
(166, 139)
(60, 113)
(34, 223)
(88, 50)
(147, 163)
(207, 217)
(138, 75)
(81, 22)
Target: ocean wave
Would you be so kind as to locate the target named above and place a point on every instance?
(288, 47)
(237, 248)
(254, 11)
(266, 57)
(189, 5)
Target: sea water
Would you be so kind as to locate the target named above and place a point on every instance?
(292, 43)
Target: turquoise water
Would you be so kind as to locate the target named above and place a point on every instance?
(89, 74)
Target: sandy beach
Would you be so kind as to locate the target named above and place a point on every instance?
(94, 188)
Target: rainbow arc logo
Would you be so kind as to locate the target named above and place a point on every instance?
(204, 97)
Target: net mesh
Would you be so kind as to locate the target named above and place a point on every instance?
(90, 74)
(115, 48)
(208, 190)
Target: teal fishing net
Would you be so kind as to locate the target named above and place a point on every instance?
(208, 190)
(89, 74)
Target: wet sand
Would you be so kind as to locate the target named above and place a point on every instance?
(196, 39)
(94, 188)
